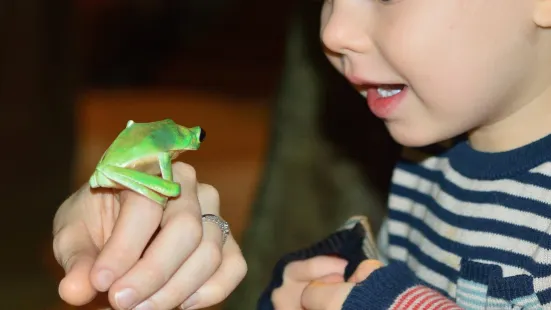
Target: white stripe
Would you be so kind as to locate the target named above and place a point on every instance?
(414, 295)
(473, 286)
(507, 186)
(438, 304)
(461, 295)
(401, 229)
(467, 304)
(450, 259)
(465, 236)
(479, 210)
(544, 169)
(424, 273)
(431, 300)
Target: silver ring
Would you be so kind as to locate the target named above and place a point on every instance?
(224, 226)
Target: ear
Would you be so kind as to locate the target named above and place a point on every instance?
(542, 13)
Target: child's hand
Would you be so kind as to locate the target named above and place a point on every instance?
(99, 241)
(299, 274)
(330, 295)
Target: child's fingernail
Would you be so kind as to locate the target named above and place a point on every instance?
(105, 279)
(126, 298)
(190, 302)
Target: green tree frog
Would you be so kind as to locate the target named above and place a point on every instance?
(140, 153)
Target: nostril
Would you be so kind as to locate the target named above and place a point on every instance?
(202, 135)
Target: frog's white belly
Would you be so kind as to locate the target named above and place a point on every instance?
(149, 165)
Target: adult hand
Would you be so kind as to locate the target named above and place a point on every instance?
(110, 242)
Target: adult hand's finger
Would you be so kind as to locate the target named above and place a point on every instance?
(180, 234)
(202, 264)
(138, 220)
(223, 282)
(205, 259)
(75, 252)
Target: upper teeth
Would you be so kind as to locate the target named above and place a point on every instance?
(385, 92)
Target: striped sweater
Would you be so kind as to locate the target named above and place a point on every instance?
(465, 230)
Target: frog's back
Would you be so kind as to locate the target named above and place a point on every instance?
(140, 142)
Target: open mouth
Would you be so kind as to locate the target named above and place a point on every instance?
(385, 91)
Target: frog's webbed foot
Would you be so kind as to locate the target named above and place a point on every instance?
(165, 163)
(148, 185)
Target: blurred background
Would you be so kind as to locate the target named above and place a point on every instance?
(291, 147)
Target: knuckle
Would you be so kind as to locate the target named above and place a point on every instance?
(288, 271)
(192, 226)
(209, 198)
(218, 293)
(155, 273)
(278, 298)
(241, 267)
(61, 243)
(209, 190)
(212, 252)
(186, 171)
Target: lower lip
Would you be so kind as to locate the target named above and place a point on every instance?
(382, 107)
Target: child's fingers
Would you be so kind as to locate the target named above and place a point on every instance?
(314, 268)
(319, 295)
(365, 269)
(76, 253)
(331, 278)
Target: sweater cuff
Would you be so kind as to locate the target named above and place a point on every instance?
(394, 286)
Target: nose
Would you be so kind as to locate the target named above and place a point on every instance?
(345, 30)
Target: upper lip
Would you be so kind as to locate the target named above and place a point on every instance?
(359, 81)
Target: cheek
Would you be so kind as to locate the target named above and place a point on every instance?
(456, 62)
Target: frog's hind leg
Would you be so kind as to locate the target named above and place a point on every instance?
(165, 163)
(132, 178)
(135, 186)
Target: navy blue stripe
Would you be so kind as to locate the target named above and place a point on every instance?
(476, 224)
(544, 296)
(472, 252)
(433, 264)
(536, 179)
(504, 199)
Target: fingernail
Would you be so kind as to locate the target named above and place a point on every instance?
(190, 302)
(126, 298)
(105, 279)
(146, 305)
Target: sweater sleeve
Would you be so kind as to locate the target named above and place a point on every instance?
(395, 286)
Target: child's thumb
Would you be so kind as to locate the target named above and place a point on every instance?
(76, 253)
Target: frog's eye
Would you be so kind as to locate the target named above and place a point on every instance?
(202, 134)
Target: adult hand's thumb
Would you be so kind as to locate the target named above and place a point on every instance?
(76, 253)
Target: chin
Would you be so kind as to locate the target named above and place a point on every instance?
(416, 136)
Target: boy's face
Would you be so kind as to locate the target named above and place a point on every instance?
(459, 65)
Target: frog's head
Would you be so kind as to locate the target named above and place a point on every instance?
(192, 137)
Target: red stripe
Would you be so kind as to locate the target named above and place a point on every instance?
(405, 295)
(425, 294)
(423, 300)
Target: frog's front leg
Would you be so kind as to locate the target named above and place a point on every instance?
(165, 163)
(148, 185)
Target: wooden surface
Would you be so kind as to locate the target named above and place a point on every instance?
(231, 157)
